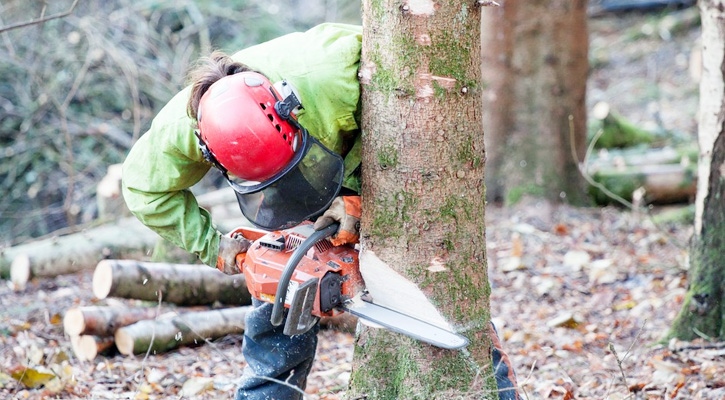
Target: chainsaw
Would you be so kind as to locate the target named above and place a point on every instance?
(299, 269)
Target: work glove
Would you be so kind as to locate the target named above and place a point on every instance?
(229, 247)
(346, 211)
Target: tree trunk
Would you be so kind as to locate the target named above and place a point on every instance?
(423, 199)
(102, 321)
(72, 253)
(535, 70)
(184, 329)
(703, 310)
(180, 284)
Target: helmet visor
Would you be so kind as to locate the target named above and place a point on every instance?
(304, 191)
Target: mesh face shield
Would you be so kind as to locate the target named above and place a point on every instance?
(304, 189)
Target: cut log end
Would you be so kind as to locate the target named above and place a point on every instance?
(20, 271)
(103, 279)
(87, 347)
(601, 110)
(74, 323)
(124, 342)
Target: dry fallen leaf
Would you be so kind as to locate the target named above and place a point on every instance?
(565, 320)
(32, 378)
(56, 319)
(194, 386)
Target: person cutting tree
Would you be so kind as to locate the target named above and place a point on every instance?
(280, 121)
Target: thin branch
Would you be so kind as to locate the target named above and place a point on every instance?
(619, 363)
(42, 19)
(583, 165)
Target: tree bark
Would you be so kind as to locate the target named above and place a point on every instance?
(703, 310)
(102, 321)
(423, 198)
(535, 70)
(180, 284)
(75, 252)
(190, 328)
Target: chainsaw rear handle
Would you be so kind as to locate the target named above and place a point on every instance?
(289, 269)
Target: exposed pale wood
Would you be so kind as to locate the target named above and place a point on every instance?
(390, 289)
(181, 284)
(75, 252)
(102, 321)
(190, 328)
(109, 199)
(87, 347)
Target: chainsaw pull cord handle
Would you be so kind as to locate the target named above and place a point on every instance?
(289, 269)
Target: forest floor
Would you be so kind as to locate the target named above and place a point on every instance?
(581, 296)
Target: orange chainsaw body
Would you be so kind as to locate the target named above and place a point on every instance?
(265, 260)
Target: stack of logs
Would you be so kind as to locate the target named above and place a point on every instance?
(97, 330)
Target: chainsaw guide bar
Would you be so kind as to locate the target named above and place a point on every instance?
(405, 324)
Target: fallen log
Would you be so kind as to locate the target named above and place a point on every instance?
(75, 252)
(182, 284)
(190, 328)
(102, 321)
(619, 158)
(87, 347)
(662, 184)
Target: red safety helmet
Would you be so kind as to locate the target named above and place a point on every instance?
(247, 128)
(242, 130)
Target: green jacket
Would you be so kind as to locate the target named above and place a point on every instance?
(322, 64)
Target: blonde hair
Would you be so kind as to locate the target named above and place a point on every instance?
(207, 71)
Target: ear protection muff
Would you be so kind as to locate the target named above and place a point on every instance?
(290, 103)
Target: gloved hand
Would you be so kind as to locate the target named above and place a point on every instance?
(229, 247)
(346, 211)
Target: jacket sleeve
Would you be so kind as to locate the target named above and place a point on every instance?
(157, 175)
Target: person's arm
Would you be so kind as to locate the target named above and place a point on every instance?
(157, 174)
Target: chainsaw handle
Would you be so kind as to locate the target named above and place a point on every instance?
(289, 269)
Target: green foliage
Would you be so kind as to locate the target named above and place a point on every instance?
(515, 194)
(77, 92)
(619, 132)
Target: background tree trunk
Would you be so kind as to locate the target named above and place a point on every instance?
(535, 67)
(423, 196)
(703, 308)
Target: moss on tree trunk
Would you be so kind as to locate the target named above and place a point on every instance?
(703, 309)
(423, 193)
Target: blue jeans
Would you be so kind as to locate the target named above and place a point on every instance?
(272, 354)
